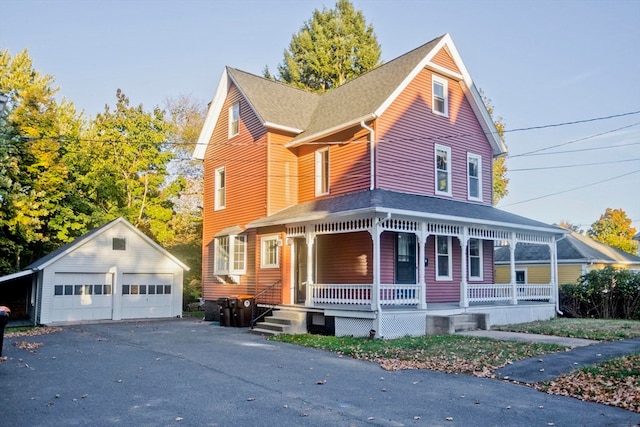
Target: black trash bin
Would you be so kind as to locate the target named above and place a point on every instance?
(4, 319)
(225, 311)
(243, 310)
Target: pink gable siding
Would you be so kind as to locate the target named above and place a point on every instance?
(408, 132)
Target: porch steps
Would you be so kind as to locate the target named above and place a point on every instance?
(443, 325)
(285, 320)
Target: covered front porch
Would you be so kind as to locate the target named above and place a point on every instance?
(383, 268)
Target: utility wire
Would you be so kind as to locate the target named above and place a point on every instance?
(573, 142)
(585, 149)
(573, 166)
(571, 189)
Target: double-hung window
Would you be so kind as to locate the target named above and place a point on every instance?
(475, 259)
(440, 96)
(443, 255)
(269, 252)
(322, 171)
(474, 177)
(443, 170)
(221, 188)
(230, 255)
(234, 119)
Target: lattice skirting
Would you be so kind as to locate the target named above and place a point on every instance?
(392, 325)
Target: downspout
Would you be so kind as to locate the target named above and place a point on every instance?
(555, 254)
(372, 156)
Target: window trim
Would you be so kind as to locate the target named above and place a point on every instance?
(524, 272)
(220, 187)
(437, 80)
(477, 157)
(264, 241)
(234, 119)
(447, 150)
(480, 260)
(230, 263)
(449, 275)
(119, 243)
(322, 165)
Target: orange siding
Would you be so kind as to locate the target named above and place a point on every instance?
(405, 160)
(345, 258)
(244, 159)
(283, 174)
(349, 169)
(444, 59)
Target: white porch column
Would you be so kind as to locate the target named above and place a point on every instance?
(310, 238)
(553, 269)
(512, 268)
(422, 259)
(464, 239)
(375, 232)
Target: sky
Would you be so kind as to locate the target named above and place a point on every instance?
(562, 75)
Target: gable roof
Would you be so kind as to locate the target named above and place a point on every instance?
(311, 116)
(385, 201)
(92, 234)
(574, 248)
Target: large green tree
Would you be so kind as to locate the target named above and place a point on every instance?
(39, 208)
(333, 47)
(614, 228)
(123, 167)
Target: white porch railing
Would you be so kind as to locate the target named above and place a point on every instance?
(534, 292)
(489, 293)
(504, 292)
(409, 295)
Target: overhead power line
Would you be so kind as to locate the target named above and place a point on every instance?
(573, 166)
(571, 189)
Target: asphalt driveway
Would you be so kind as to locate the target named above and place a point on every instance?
(185, 372)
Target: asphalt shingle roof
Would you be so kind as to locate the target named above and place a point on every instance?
(410, 204)
(575, 247)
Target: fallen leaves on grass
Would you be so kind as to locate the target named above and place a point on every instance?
(614, 383)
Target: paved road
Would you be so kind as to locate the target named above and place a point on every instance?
(191, 373)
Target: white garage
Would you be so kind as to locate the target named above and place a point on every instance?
(111, 273)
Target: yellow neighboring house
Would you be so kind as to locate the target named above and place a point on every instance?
(577, 255)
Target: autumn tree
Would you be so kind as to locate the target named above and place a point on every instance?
(333, 47)
(614, 229)
(499, 165)
(39, 206)
(569, 226)
(124, 167)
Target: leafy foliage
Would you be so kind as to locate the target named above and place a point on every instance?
(614, 229)
(330, 49)
(608, 293)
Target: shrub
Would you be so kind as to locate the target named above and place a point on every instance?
(608, 293)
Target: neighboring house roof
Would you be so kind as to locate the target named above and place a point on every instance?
(574, 248)
(311, 116)
(90, 235)
(385, 201)
(636, 237)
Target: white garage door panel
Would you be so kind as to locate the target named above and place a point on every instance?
(81, 303)
(140, 301)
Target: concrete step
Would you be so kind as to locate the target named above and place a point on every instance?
(465, 326)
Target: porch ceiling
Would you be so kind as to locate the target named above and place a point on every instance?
(405, 205)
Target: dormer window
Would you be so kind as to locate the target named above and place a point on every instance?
(440, 96)
(234, 119)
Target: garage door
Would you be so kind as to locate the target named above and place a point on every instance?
(147, 295)
(82, 296)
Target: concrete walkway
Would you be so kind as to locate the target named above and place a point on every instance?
(547, 367)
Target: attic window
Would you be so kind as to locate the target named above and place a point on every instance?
(440, 97)
(119, 244)
(234, 119)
